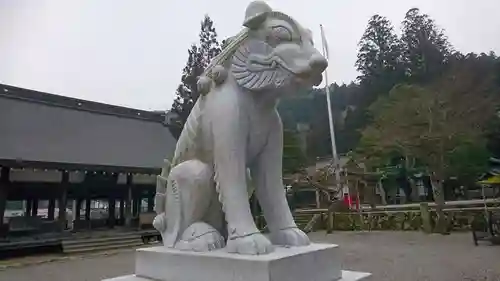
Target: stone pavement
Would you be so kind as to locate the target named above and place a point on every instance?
(390, 256)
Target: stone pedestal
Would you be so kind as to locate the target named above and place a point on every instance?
(317, 262)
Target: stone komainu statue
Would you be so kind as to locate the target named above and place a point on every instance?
(234, 136)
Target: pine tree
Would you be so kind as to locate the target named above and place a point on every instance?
(426, 48)
(199, 56)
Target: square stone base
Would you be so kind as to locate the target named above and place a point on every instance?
(316, 262)
(346, 276)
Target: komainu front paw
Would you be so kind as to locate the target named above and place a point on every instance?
(290, 237)
(200, 237)
(253, 244)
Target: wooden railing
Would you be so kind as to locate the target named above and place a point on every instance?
(416, 206)
(425, 208)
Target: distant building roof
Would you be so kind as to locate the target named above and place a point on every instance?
(41, 128)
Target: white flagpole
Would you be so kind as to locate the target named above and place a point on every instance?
(330, 116)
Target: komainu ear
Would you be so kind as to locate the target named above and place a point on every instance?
(255, 14)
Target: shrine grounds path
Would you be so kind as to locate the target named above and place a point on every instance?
(390, 256)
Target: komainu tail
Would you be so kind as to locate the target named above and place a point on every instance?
(167, 193)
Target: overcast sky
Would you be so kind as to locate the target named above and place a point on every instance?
(131, 52)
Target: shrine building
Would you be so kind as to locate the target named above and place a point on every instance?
(68, 163)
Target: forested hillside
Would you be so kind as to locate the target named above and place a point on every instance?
(421, 56)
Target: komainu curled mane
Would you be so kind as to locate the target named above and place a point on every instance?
(234, 133)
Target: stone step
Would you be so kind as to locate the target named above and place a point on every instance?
(104, 247)
(84, 244)
(82, 240)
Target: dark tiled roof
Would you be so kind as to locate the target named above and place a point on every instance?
(37, 127)
(78, 104)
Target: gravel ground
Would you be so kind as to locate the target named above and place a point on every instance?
(390, 256)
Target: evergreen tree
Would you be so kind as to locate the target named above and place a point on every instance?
(379, 56)
(199, 56)
(209, 45)
(380, 64)
(186, 94)
(293, 157)
(426, 48)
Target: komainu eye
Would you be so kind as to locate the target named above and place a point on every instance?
(281, 33)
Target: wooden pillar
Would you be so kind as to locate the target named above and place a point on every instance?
(52, 209)
(111, 211)
(329, 221)
(318, 199)
(87, 208)
(34, 208)
(4, 185)
(426, 217)
(3, 202)
(63, 200)
(128, 202)
(29, 205)
(122, 209)
(77, 214)
(135, 206)
(88, 202)
(151, 202)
